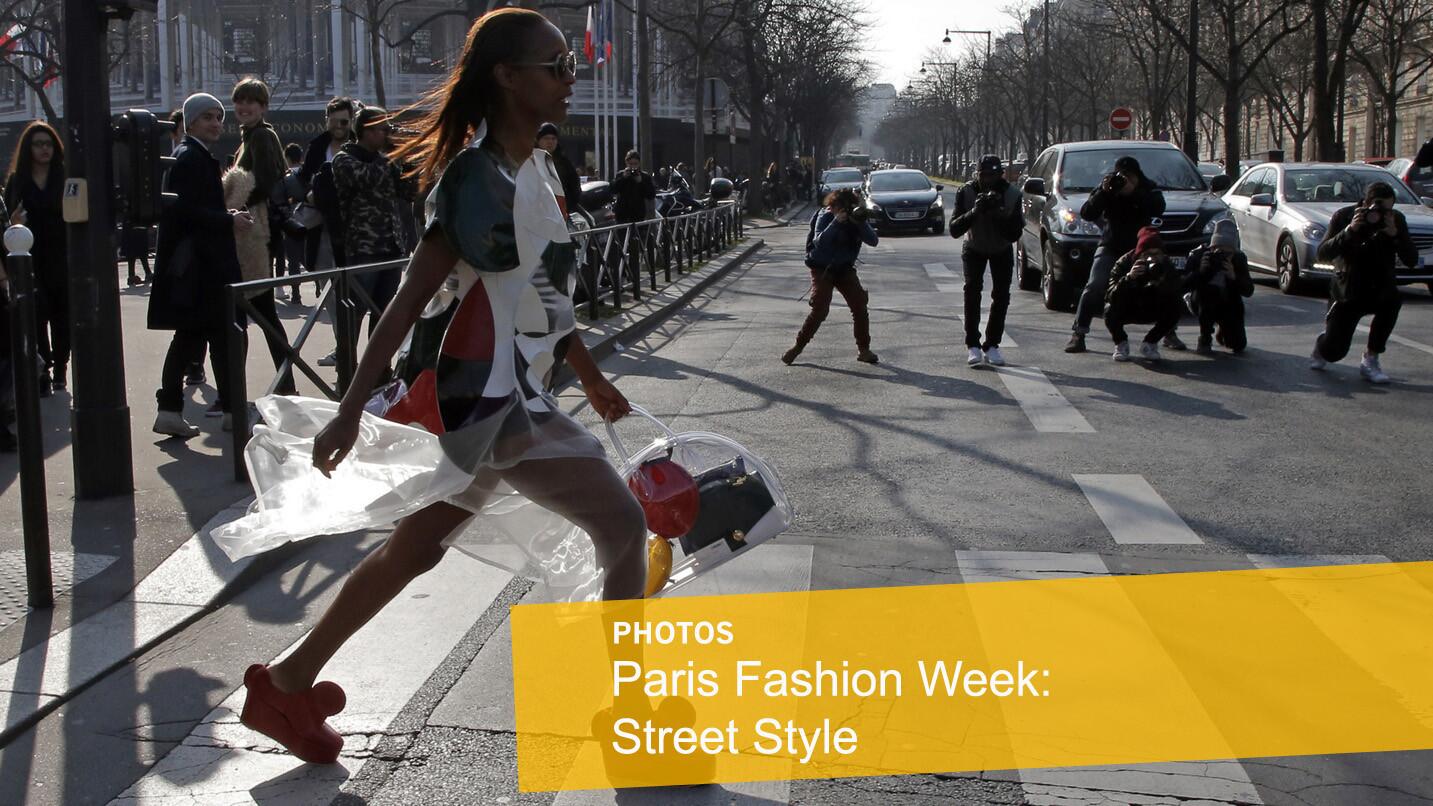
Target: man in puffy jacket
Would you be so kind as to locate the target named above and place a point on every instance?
(1218, 283)
(832, 245)
(1144, 287)
(1123, 203)
(987, 214)
(1364, 243)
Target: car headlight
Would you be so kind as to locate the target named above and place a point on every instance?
(939, 202)
(1314, 232)
(1215, 219)
(1068, 222)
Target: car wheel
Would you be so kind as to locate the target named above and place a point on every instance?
(1288, 264)
(1055, 294)
(1027, 280)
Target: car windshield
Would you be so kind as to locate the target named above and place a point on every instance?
(899, 181)
(1082, 171)
(1339, 185)
(842, 175)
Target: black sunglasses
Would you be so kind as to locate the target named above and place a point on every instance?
(561, 67)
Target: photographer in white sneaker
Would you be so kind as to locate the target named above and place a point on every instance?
(987, 214)
(1363, 242)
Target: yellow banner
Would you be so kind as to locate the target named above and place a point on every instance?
(988, 676)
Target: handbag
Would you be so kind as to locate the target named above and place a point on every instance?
(307, 216)
(732, 501)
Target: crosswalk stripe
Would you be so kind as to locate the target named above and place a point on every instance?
(1310, 560)
(223, 761)
(939, 271)
(1202, 782)
(1047, 409)
(1397, 339)
(949, 288)
(1132, 511)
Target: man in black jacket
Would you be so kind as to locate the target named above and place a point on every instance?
(566, 174)
(987, 214)
(196, 259)
(317, 176)
(634, 189)
(1364, 241)
(1124, 202)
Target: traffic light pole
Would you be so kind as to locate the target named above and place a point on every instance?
(99, 414)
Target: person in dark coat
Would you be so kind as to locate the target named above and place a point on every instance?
(1365, 242)
(1123, 203)
(1145, 288)
(317, 176)
(833, 245)
(989, 217)
(634, 188)
(196, 259)
(1218, 283)
(33, 195)
(571, 183)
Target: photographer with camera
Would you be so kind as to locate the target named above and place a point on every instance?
(1364, 241)
(1144, 288)
(1124, 202)
(832, 245)
(633, 188)
(988, 215)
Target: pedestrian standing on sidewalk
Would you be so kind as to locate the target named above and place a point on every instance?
(1144, 288)
(33, 197)
(318, 178)
(299, 218)
(547, 140)
(833, 244)
(194, 375)
(196, 259)
(261, 158)
(1219, 281)
(1124, 203)
(515, 72)
(988, 215)
(633, 188)
(370, 189)
(134, 248)
(1365, 241)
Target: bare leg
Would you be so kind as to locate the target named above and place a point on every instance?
(414, 548)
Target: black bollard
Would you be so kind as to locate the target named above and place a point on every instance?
(30, 432)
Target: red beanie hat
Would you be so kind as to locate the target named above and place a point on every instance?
(1148, 239)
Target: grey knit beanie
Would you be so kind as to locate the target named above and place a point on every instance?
(1226, 233)
(199, 103)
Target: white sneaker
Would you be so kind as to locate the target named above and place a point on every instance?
(171, 423)
(975, 358)
(1149, 350)
(1121, 351)
(330, 360)
(1371, 371)
(1317, 361)
(994, 358)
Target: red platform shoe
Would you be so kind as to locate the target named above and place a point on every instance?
(295, 721)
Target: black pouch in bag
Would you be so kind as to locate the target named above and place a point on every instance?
(732, 501)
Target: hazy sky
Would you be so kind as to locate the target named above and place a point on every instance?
(903, 30)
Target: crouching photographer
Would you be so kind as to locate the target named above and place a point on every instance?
(1364, 242)
(987, 214)
(1218, 283)
(832, 245)
(1144, 288)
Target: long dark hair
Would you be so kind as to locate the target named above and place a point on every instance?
(456, 107)
(22, 163)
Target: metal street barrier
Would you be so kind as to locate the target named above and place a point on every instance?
(610, 259)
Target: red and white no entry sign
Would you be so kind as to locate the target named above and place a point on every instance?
(1121, 118)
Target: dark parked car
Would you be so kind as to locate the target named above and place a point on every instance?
(904, 199)
(1419, 180)
(1056, 249)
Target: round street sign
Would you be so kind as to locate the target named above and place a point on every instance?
(1121, 118)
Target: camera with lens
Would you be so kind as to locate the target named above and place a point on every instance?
(989, 201)
(859, 213)
(1115, 182)
(1373, 214)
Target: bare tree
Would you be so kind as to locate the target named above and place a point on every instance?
(1285, 83)
(701, 24)
(31, 55)
(1393, 49)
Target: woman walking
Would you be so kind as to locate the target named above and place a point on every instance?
(490, 282)
(32, 195)
(832, 246)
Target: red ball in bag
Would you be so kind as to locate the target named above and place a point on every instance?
(668, 495)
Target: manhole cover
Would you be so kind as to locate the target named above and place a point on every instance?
(68, 571)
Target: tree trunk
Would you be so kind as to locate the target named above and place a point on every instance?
(644, 86)
(1325, 148)
(1390, 123)
(699, 107)
(375, 55)
(1231, 125)
(1191, 88)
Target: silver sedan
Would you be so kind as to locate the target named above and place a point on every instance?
(1283, 212)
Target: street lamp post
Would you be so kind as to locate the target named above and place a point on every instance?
(1045, 81)
(985, 77)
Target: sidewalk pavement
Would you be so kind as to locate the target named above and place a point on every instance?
(130, 571)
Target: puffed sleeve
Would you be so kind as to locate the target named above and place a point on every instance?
(472, 206)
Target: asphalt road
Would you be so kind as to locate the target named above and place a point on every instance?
(913, 471)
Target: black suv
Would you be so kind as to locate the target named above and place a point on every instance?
(1060, 181)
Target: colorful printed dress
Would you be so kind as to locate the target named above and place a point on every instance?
(470, 398)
